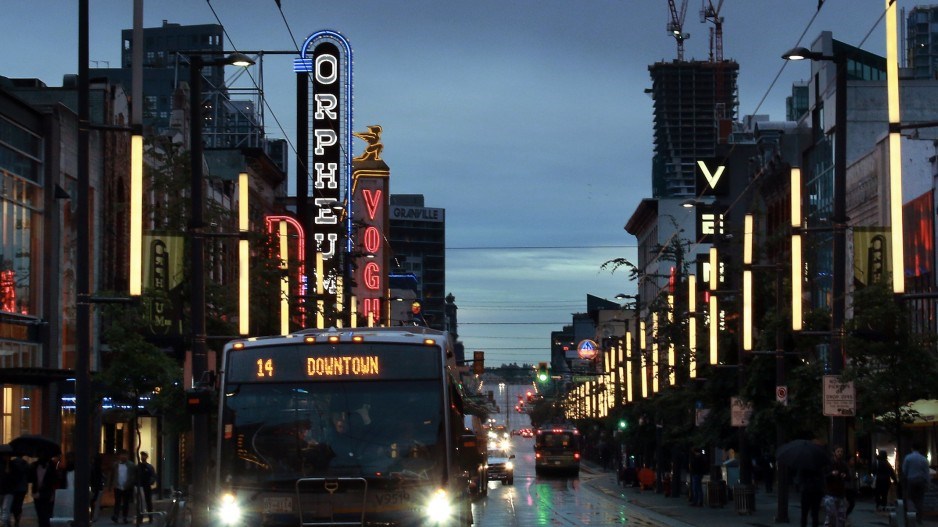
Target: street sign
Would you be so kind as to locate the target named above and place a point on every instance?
(740, 411)
(781, 395)
(840, 398)
(587, 349)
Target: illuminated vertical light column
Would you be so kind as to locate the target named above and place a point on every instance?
(620, 366)
(628, 367)
(747, 282)
(136, 214)
(244, 257)
(796, 257)
(895, 149)
(692, 323)
(672, 362)
(714, 312)
(643, 358)
(285, 281)
(654, 352)
(320, 290)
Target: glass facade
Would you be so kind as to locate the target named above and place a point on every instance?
(21, 213)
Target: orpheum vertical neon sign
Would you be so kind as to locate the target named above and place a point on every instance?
(328, 163)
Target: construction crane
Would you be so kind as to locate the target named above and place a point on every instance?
(708, 13)
(676, 26)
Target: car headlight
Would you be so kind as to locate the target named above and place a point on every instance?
(439, 508)
(509, 466)
(229, 512)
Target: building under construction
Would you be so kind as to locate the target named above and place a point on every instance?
(695, 106)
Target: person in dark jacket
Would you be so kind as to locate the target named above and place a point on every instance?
(45, 479)
(96, 481)
(19, 477)
(812, 492)
(884, 476)
(146, 477)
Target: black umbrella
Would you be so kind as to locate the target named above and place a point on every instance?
(802, 454)
(35, 446)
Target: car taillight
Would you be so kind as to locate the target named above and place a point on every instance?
(576, 455)
(537, 455)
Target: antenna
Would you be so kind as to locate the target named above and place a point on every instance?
(676, 26)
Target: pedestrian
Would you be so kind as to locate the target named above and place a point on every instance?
(96, 482)
(19, 475)
(44, 480)
(146, 477)
(123, 482)
(834, 502)
(698, 468)
(812, 492)
(6, 492)
(883, 478)
(845, 470)
(915, 476)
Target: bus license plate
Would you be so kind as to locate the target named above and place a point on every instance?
(273, 505)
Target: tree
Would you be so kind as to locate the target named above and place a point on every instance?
(138, 374)
(890, 365)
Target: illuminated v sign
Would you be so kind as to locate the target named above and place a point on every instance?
(712, 179)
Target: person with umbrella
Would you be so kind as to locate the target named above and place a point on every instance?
(44, 479)
(809, 460)
(19, 480)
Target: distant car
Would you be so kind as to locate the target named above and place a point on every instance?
(527, 432)
(501, 467)
(517, 432)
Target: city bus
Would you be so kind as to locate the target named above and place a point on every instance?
(557, 448)
(355, 426)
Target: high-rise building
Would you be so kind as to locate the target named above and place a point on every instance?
(418, 243)
(695, 106)
(922, 41)
(226, 123)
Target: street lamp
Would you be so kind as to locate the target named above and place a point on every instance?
(200, 429)
(839, 220)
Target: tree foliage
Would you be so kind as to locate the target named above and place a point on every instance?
(136, 374)
(890, 364)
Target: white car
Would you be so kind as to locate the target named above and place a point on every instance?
(501, 467)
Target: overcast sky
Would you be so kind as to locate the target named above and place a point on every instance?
(526, 120)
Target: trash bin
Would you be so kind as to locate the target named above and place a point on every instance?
(745, 498)
(715, 493)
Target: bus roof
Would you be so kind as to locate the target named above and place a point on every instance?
(395, 335)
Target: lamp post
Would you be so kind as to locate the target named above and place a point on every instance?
(839, 221)
(200, 428)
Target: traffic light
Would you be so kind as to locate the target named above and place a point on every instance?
(543, 372)
(478, 362)
(623, 424)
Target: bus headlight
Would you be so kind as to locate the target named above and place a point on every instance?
(439, 508)
(229, 512)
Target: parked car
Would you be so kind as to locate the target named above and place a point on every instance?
(501, 467)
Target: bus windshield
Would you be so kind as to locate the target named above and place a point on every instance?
(278, 432)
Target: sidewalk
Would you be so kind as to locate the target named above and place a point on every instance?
(678, 512)
(28, 518)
